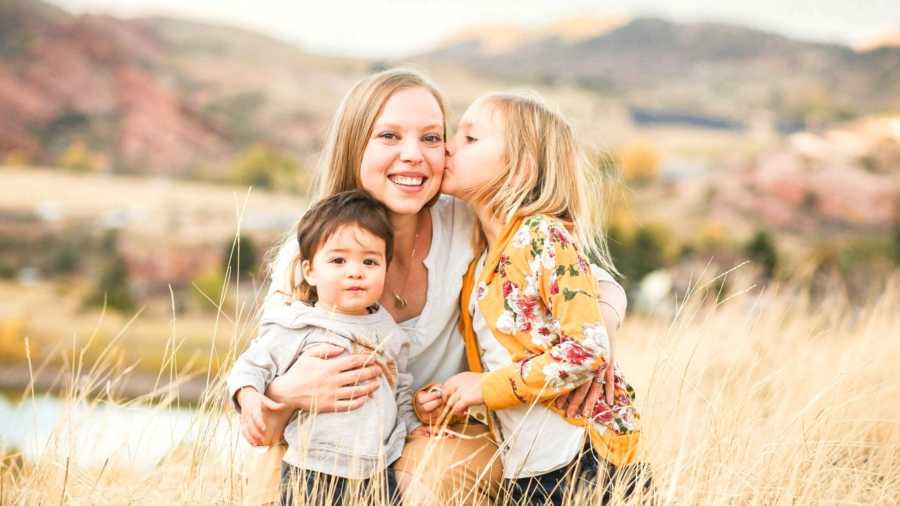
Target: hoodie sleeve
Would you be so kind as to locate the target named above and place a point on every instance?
(269, 355)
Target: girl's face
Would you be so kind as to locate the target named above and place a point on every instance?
(403, 163)
(477, 152)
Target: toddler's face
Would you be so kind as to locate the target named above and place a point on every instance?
(348, 270)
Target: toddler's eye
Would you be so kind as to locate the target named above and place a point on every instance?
(337, 260)
(370, 261)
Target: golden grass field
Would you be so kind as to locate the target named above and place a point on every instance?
(770, 397)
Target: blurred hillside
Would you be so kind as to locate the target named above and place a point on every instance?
(153, 95)
(734, 74)
(733, 143)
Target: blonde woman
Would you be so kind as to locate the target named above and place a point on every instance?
(388, 138)
(532, 320)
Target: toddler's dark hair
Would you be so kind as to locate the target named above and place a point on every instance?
(324, 218)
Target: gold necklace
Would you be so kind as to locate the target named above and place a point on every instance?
(399, 301)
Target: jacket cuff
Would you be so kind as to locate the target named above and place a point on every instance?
(498, 388)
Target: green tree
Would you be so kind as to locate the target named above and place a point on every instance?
(240, 256)
(111, 284)
(265, 167)
(895, 243)
(761, 250)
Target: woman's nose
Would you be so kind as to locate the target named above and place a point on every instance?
(411, 151)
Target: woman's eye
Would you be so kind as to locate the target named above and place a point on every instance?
(391, 136)
(433, 138)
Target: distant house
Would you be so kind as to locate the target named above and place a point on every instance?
(661, 117)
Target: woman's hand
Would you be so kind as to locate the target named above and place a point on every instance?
(462, 391)
(319, 383)
(262, 419)
(613, 304)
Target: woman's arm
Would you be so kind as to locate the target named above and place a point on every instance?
(315, 382)
(613, 304)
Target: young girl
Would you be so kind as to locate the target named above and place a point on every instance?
(345, 244)
(530, 313)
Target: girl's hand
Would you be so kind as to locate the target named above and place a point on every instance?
(260, 417)
(462, 391)
(429, 404)
(318, 382)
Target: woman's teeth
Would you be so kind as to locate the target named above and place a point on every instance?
(407, 180)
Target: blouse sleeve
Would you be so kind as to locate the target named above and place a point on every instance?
(569, 292)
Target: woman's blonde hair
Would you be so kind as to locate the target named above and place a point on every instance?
(546, 173)
(339, 164)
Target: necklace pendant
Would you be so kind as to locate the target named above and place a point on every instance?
(399, 301)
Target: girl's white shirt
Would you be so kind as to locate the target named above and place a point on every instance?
(437, 349)
(535, 439)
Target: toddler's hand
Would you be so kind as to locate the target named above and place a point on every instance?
(463, 391)
(254, 408)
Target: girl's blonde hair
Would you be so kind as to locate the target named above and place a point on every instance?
(339, 163)
(546, 173)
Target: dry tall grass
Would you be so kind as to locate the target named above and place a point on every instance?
(767, 398)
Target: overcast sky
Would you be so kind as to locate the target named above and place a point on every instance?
(393, 28)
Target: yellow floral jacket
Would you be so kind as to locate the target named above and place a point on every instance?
(540, 300)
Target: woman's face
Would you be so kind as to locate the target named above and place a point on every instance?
(403, 163)
(477, 152)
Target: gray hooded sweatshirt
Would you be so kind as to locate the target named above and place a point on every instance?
(353, 444)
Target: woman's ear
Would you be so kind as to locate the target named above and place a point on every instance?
(308, 275)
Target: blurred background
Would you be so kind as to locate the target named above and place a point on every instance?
(130, 132)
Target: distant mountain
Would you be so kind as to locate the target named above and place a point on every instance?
(887, 38)
(491, 39)
(700, 67)
(153, 95)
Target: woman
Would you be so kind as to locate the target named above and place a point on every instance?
(388, 138)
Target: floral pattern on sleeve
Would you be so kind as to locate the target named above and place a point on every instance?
(552, 323)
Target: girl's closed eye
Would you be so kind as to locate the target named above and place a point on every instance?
(470, 139)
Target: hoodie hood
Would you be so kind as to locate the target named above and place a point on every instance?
(296, 315)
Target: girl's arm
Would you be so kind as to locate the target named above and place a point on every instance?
(567, 289)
